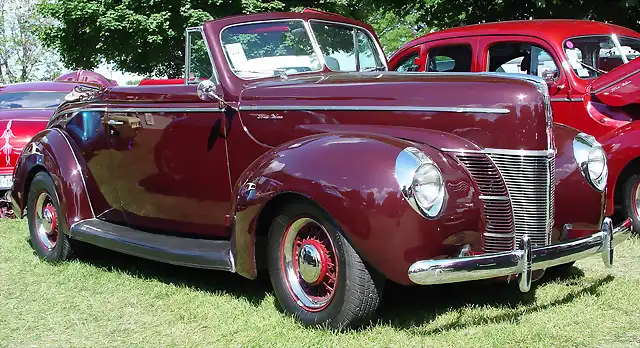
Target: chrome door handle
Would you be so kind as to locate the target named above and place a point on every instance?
(114, 122)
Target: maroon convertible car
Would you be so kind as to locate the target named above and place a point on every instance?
(290, 147)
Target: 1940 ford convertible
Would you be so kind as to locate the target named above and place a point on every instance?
(289, 145)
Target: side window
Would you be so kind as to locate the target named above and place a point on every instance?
(409, 63)
(453, 58)
(522, 58)
(198, 65)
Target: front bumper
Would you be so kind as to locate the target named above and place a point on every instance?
(522, 261)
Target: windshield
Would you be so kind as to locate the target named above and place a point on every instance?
(592, 56)
(265, 49)
(31, 100)
(347, 48)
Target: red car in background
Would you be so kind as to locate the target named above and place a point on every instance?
(591, 73)
(25, 109)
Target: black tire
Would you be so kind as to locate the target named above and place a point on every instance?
(358, 288)
(46, 248)
(629, 201)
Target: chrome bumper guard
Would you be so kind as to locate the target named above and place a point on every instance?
(522, 261)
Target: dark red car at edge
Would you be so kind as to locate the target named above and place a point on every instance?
(25, 109)
(591, 71)
(292, 150)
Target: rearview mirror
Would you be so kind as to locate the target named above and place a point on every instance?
(207, 91)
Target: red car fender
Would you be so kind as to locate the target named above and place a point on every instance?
(623, 153)
(363, 197)
(52, 152)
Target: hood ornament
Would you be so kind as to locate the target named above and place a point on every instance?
(82, 93)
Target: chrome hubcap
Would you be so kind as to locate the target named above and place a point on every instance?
(308, 260)
(309, 263)
(46, 221)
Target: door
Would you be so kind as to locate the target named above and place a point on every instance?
(531, 56)
(169, 154)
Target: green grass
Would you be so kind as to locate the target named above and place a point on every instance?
(107, 299)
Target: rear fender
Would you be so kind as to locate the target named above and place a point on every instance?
(52, 152)
(352, 177)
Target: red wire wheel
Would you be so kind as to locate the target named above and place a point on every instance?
(308, 260)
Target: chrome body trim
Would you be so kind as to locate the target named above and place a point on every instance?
(139, 110)
(614, 82)
(372, 108)
(505, 152)
(521, 261)
(560, 99)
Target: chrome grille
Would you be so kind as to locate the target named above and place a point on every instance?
(499, 224)
(530, 180)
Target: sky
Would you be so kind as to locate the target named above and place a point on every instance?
(107, 71)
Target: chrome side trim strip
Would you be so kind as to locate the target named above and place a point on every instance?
(560, 99)
(140, 109)
(504, 152)
(84, 182)
(616, 81)
(372, 108)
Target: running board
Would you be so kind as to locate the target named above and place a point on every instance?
(190, 252)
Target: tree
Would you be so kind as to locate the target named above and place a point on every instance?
(22, 55)
(145, 37)
(451, 13)
(396, 28)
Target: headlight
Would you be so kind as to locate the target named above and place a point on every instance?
(421, 182)
(591, 159)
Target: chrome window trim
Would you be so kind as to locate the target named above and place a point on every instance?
(372, 108)
(304, 23)
(187, 55)
(381, 55)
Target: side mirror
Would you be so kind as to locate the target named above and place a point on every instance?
(207, 91)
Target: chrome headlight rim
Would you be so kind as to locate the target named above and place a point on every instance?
(588, 154)
(409, 163)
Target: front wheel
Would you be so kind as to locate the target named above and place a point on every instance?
(316, 274)
(45, 222)
(631, 200)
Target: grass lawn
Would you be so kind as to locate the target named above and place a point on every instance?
(110, 300)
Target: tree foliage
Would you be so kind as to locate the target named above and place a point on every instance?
(147, 36)
(22, 55)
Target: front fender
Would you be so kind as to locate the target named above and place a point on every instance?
(622, 147)
(577, 203)
(51, 151)
(352, 177)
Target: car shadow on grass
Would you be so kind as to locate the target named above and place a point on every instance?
(213, 282)
(402, 307)
(413, 307)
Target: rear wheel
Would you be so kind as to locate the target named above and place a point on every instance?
(45, 222)
(631, 200)
(317, 275)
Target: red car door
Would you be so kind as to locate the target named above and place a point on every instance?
(533, 56)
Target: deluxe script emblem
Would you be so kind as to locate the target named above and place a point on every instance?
(267, 116)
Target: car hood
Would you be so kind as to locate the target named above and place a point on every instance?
(491, 111)
(620, 86)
